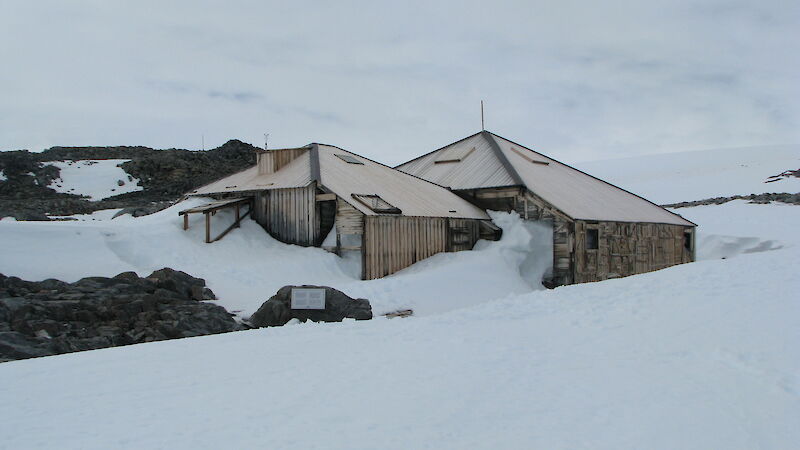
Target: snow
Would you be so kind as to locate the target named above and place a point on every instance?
(94, 178)
(3, 176)
(696, 356)
(701, 355)
(686, 176)
(258, 265)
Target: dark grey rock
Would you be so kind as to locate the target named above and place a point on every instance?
(51, 317)
(792, 199)
(277, 310)
(182, 283)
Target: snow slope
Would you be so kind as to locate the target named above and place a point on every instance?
(686, 176)
(94, 178)
(696, 356)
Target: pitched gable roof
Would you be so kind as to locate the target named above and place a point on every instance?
(497, 162)
(329, 167)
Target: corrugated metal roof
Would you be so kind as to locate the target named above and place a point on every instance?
(575, 193)
(479, 169)
(579, 195)
(413, 196)
(295, 174)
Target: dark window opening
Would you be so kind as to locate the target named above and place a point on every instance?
(377, 204)
(687, 240)
(349, 159)
(592, 239)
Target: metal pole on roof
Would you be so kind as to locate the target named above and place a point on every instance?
(266, 140)
(483, 128)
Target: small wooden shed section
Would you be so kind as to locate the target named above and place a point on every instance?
(600, 231)
(321, 195)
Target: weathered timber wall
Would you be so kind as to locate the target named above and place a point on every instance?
(349, 226)
(462, 234)
(626, 248)
(392, 243)
(289, 215)
(270, 161)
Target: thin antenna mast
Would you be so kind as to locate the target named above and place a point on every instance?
(483, 128)
(203, 141)
(266, 140)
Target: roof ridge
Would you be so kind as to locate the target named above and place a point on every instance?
(498, 152)
(440, 148)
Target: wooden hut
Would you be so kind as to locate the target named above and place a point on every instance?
(321, 195)
(600, 231)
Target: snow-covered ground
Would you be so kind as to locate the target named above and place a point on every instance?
(686, 176)
(94, 178)
(700, 355)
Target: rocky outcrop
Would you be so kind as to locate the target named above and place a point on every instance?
(51, 317)
(165, 175)
(792, 199)
(277, 311)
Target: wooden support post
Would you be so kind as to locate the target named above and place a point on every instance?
(185, 221)
(208, 227)
(237, 216)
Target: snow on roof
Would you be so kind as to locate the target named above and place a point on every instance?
(413, 196)
(497, 161)
(294, 175)
(339, 173)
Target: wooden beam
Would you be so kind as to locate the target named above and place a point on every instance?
(185, 221)
(325, 197)
(208, 227)
(234, 225)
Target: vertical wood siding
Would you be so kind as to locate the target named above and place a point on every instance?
(289, 215)
(392, 243)
(270, 161)
(626, 248)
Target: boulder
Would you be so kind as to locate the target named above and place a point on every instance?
(182, 283)
(51, 317)
(277, 311)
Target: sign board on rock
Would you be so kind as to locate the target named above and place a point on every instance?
(306, 298)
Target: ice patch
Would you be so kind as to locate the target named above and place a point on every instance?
(94, 178)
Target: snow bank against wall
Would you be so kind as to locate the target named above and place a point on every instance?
(94, 178)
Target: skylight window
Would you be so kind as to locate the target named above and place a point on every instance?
(377, 204)
(528, 156)
(454, 154)
(349, 159)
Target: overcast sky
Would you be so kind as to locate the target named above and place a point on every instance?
(392, 80)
